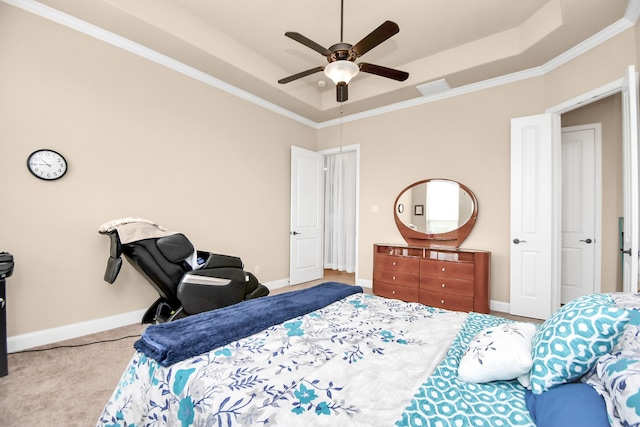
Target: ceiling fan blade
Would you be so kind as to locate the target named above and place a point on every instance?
(379, 70)
(300, 75)
(377, 36)
(308, 43)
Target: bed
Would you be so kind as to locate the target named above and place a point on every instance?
(332, 355)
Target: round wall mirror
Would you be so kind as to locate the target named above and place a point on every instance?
(435, 212)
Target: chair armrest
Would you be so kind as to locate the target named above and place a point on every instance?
(221, 261)
(112, 270)
(208, 289)
(114, 263)
(260, 291)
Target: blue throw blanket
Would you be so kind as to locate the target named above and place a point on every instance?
(173, 342)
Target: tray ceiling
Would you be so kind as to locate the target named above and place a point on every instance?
(242, 42)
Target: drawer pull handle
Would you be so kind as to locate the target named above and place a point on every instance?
(394, 277)
(393, 292)
(443, 285)
(443, 269)
(394, 263)
(441, 301)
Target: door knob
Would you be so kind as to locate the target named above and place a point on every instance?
(587, 240)
(295, 233)
(516, 241)
(628, 251)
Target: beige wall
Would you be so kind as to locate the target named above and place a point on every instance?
(143, 140)
(466, 139)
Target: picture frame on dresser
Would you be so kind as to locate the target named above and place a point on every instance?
(430, 267)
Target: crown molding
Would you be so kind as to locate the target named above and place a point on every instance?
(137, 49)
(629, 20)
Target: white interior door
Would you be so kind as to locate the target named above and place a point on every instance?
(307, 195)
(579, 194)
(531, 253)
(631, 186)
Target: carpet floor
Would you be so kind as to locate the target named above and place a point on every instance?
(66, 386)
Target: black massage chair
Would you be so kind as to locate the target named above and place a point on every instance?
(188, 281)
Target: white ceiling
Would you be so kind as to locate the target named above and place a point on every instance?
(242, 42)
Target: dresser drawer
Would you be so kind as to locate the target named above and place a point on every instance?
(446, 301)
(397, 292)
(459, 270)
(390, 262)
(447, 285)
(397, 278)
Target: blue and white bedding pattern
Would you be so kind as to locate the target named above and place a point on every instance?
(355, 362)
(616, 375)
(445, 400)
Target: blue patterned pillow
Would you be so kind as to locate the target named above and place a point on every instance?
(620, 374)
(570, 342)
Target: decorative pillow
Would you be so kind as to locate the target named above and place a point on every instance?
(630, 339)
(626, 300)
(620, 374)
(574, 404)
(570, 342)
(631, 336)
(498, 353)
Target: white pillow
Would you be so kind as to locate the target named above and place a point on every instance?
(498, 353)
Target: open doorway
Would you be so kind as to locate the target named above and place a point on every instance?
(537, 293)
(341, 189)
(608, 113)
(581, 177)
(308, 226)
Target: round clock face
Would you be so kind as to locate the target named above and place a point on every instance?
(47, 164)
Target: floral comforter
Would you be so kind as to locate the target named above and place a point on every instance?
(356, 362)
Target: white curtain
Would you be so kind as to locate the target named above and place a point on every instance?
(340, 211)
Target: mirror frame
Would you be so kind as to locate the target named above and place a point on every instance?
(452, 238)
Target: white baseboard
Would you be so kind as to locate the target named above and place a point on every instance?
(365, 283)
(75, 330)
(61, 333)
(502, 307)
(277, 284)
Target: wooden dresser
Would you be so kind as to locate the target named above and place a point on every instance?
(450, 278)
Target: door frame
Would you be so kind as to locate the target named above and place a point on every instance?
(356, 148)
(557, 110)
(597, 232)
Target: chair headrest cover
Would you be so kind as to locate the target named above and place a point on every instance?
(112, 225)
(175, 248)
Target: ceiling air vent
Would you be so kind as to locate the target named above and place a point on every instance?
(434, 88)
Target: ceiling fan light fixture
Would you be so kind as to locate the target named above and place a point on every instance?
(341, 71)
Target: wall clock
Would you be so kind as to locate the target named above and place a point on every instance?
(47, 164)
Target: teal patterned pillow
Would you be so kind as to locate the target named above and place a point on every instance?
(570, 342)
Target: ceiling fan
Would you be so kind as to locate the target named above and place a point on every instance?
(341, 57)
